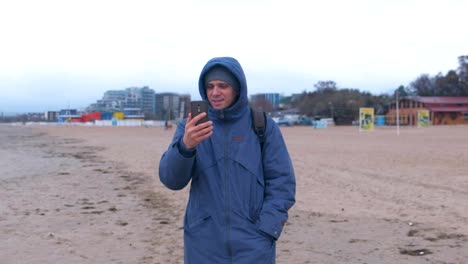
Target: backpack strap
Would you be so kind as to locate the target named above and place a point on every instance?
(259, 125)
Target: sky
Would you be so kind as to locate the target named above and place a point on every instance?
(57, 54)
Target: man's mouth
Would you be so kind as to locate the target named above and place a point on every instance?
(217, 101)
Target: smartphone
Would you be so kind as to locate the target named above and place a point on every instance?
(198, 107)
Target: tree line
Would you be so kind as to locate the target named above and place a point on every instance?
(454, 83)
(342, 104)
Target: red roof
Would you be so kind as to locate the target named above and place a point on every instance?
(448, 108)
(441, 99)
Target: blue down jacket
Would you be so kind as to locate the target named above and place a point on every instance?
(239, 198)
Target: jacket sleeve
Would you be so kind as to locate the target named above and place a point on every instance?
(176, 164)
(280, 183)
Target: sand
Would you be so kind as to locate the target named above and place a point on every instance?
(92, 195)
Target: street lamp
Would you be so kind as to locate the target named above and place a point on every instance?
(331, 109)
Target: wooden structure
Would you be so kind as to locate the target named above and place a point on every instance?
(442, 110)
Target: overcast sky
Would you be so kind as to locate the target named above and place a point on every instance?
(57, 54)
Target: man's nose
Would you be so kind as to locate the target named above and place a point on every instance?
(216, 90)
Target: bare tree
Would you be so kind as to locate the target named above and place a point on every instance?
(263, 104)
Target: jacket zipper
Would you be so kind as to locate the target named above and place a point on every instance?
(227, 190)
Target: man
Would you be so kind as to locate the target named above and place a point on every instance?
(240, 194)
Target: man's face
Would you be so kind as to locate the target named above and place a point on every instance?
(220, 94)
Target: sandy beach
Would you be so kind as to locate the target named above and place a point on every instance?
(73, 194)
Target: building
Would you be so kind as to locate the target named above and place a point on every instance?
(171, 106)
(112, 100)
(266, 101)
(184, 105)
(442, 110)
(51, 116)
(147, 101)
(68, 115)
(142, 98)
(133, 113)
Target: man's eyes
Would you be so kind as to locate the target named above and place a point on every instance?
(220, 85)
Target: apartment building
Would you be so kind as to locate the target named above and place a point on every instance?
(171, 106)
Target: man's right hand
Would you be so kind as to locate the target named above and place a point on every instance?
(194, 134)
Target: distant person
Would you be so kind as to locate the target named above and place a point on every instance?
(239, 194)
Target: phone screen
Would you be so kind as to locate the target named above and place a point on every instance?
(198, 107)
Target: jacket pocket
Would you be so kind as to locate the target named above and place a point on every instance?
(252, 224)
(258, 194)
(249, 175)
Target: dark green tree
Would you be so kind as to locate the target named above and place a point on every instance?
(402, 91)
(463, 73)
(325, 86)
(424, 85)
(448, 85)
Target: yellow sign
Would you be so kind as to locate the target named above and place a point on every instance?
(366, 119)
(423, 118)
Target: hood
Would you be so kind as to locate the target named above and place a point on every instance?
(241, 104)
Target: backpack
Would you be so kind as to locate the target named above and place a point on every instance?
(259, 125)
